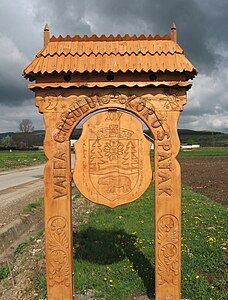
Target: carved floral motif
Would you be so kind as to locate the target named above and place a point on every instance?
(168, 252)
(58, 245)
(172, 100)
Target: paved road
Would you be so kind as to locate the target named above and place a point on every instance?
(18, 177)
(18, 188)
(13, 178)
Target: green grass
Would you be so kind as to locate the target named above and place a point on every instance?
(4, 271)
(39, 282)
(33, 205)
(206, 151)
(21, 247)
(204, 248)
(16, 159)
(114, 251)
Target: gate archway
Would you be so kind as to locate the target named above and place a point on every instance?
(76, 76)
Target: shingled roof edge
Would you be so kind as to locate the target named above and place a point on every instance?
(193, 72)
(108, 84)
(110, 54)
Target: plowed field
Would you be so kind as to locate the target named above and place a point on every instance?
(207, 176)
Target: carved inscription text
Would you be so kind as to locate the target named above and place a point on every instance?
(59, 175)
(83, 106)
(164, 162)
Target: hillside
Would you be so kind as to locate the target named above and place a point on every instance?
(203, 138)
(187, 136)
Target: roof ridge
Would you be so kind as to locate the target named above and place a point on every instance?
(111, 37)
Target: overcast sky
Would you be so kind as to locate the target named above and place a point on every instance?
(202, 32)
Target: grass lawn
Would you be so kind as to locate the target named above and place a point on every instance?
(114, 251)
(17, 159)
(205, 151)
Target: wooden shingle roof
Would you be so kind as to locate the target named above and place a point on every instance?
(112, 53)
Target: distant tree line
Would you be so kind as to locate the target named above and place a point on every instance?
(203, 138)
(26, 138)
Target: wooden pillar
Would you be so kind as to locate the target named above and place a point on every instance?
(167, 211)
(57, 205)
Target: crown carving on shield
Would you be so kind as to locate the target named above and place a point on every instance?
(114, 131)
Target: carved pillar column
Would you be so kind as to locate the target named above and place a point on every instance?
(167, 210)
(57, 205)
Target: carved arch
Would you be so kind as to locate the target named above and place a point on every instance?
(82, 107)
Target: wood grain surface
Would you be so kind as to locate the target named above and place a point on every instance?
(149, 81)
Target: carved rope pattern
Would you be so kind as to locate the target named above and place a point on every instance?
(168, 252)
(58, 245)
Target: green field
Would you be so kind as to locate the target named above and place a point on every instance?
(205, 151)
(114, 253)
(18, 159)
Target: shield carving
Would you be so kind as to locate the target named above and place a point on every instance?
(112, 159)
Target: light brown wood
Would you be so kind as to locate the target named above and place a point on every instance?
(173, 32)
(63, 110)
(167, 211)
(46, 35)
(57, 208)
(112, 159)
(111, 139)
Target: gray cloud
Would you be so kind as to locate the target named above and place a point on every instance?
(68, 17)
(10, 118)
(12, 85)
(201, 27)
(198, 25)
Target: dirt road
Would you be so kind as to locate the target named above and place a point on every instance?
(17, 189)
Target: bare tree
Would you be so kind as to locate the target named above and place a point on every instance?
(26, 126)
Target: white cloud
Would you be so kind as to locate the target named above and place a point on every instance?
(207, 107)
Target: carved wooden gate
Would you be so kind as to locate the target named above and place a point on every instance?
(76, 76)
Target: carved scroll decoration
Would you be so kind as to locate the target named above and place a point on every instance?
(168, 252)
(58, 245)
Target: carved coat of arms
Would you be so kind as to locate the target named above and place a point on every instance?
(112, 159)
